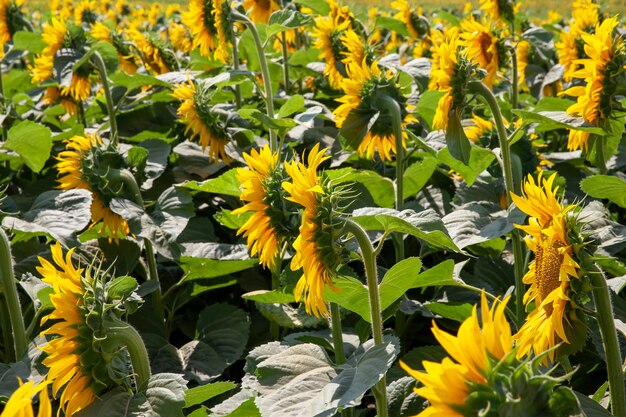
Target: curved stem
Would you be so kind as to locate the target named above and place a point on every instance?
(129, 182)
(602, 298)
(125, 335)
(478, 87)
(236, 67)
(9, 290)
(369, 260)
(99, 62)
(265, 73)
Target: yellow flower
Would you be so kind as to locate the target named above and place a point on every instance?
(261, 229)
(585, 17)
(482, 45)
(522, 50)
(200, 19)
(306, 190)
(480, 127)
(601, 50)
(86, 12)
(550, 273)
(354, 49)
(179, 37)
(259, 11)
(73, 175)
(328, 30)
(221, 12)
(53, 35)
(8, 10)
(406, 15)
(105, 34)
(53, 94)
(154, 14)
(152, 53)
(79, 88)
(20, 404)
(64, 359)
(447, 385)
(499, 10)
(201, 122)
(361, 87)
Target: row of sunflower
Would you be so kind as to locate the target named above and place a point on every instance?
(299, 191)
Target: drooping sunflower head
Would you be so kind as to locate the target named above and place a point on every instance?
(11, 20)
(328, 31)
(156, 56)
(553, 275)
(86, 12)
(259, 11)
(272, 222)
(485, 46)
(179, 37)
(204, 124)
(81, 362)
(200, 19)
(84, 164)
(451, 71)
(318, 250)
(482, 375)
(54, 35)
(602, 73)
(366, 90)
(356, 49)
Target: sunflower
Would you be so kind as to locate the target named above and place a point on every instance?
(314, 247)
(9, 14)
(328, 31)
(125, 57)
(479, 128)
(79, 88)
(549, 275)
(260, 10)
(500, 9)
(267, 228)
(155, 55)
(196, 114)
(476, 350)
(570, 47)
(522, 50)
(362, 88)
(179, 37)
(54, 36)
(449, 74)
(154, 14)
(408, 17)
(594, 101)
(86, 12)
(64, 359)
(20, 404)
(54, 95)
(484, 46)
(223, 25)
(200, 19)
(79, 167)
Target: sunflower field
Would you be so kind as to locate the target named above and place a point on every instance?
(301, 208)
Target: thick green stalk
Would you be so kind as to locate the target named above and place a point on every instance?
(236, 67)
(129, 182)
(99, 62)
(515, 91)
(9, 290)
(369, 260)
(602, 298)
(478, 87)
(123, 334)
(265, 73)
(335, 324)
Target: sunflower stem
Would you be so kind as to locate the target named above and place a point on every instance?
(123, 334)
(515, 90)
(275, 270)
(129, 181)
(604, 307)
(5, 131)
(265, 73)
(478, 87)
(335, 323)
(8, 288)
(369, 260)
(99, 62)
(285, 51)
(236, 67)
(82, 118)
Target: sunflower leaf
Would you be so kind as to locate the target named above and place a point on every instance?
(552, 120)
(286, 19)
(32, 141)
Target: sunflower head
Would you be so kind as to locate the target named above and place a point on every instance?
(328, 32)
(20, 403)
(81, 359)
(156, 55)
(319, 250)
(11, 20)
(85, 164)
(224, 27)
(556, 288)
(274, 218)
(416, 24)
(179, 37)
(196, 112)
(200, 19)
(86, 13)
(484, 43)
(500, 9)
(482, 375)
(260, 10)
(367, 90)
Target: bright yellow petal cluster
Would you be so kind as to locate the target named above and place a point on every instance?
(442, 74)
(326, 31)
(71, 177)
(405, 14)
(53, 35)
(479, 128)
(585, 16)
(20, 404)
(151, 55)
(179, 37)
(63, 361)
(522, 50)
(600, 48)
(305, 189)
(259, 11)
(188, 115)
(261, 234)
(482, 46)
(550, 273)
(446, 385)
(199, 20)
(222, 52)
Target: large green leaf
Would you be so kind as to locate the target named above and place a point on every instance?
(480, 159)
(211, 260)
(418, 174)
(605, 186)
(379, 187)
(286, 19)
(32, 142)
(28, 41)
(427, 105)
(226, 184)
(552, 120)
